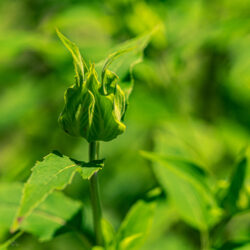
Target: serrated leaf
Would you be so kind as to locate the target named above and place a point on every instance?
(45, 220)
(186, 183)
(135, 226)
(229, 202)
(55, 172)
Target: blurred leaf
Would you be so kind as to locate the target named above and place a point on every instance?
(53, 173)
(15, 107)
(45, 220)
(236, 184)
(6, 244)
(108, 232)
(135, 226)
(233, 245)
(99, 248)
(186, 183)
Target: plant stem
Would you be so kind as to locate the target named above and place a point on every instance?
(95, 196)
(205, 240)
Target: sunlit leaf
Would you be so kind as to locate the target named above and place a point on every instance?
(45, 220)
(55, 172)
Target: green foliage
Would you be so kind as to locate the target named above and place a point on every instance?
(44, 220)
(135, 226)
(186, 183)
(229, 202)
(93, 109)
(235, 245)
(108, 233)
(133, 230)
(55, 172)
(192, 192)
(10, 241)
(190, 101)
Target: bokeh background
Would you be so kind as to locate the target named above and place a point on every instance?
(191, 97)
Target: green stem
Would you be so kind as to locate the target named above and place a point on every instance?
(205, 240)
(95, 197)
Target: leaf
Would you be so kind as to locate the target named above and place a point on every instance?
(108, 232)
(187, 186)
(231, 245)
(6, 244)
(122, 60)
(77, 58)
(15, 107)
(229, 202)
(45, 220)
(98, 248)
(55, 172)
(135, 226)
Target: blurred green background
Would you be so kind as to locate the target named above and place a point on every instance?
(191, 98)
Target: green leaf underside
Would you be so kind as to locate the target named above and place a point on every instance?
(93, 109)
(53, 173)
(135, 226)
(44, 221)
(229, 202)
(186, 184)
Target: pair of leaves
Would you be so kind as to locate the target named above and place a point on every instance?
(133, 229)
(95, 105)
(55, 172)
(186, 184)
(44, 221)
